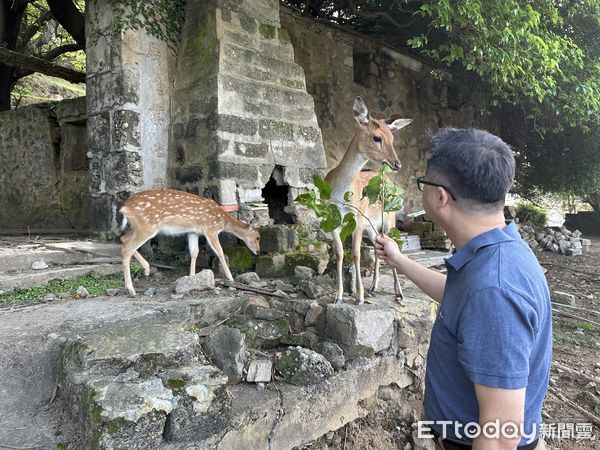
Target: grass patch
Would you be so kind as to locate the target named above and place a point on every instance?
(95, 284)
(564, 333)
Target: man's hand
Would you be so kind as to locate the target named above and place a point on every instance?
(387, 250)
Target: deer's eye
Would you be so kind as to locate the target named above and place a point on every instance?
(377, 139)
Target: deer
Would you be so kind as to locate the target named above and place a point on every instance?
(372, 141)
(173, 212)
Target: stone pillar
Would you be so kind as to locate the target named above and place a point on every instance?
(128, 92)
(240, 107)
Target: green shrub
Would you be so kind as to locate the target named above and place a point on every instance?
(536, 216)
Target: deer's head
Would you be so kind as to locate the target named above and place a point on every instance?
(375, 138)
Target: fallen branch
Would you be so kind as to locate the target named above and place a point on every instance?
(206, 330)
(574, 405)
(577, 372)
(587, 311)
(35, 64)
(245, 287)
(573, 316)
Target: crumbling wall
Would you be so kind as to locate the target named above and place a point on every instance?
(44, 175)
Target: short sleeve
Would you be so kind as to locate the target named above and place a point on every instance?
(496, 332)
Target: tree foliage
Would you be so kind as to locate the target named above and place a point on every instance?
(50, 30)
(540, 56)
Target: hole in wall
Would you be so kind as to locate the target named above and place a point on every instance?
(276, 194)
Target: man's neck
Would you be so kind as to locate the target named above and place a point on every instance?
(467, 227)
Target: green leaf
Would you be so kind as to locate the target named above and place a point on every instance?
(350, 225)
(372, 189)
(348, 196)
(332, 220)
(394, 233)
(307, 199)
(386, 168)
(323, 186)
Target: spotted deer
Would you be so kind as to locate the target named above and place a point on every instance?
(372, 141)
(173, 212)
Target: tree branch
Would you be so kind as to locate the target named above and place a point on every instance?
(34, 64)
(56, 52)
(377, 15)
(33, 28)
(72, 20)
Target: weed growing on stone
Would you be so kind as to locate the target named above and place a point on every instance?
(95, 284)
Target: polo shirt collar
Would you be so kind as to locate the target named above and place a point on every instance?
(491, 237)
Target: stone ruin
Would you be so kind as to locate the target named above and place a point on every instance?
(554, 239)
(278, 370)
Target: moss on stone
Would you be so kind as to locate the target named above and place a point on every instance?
(241, 259)
(267, 31)
(284, 36)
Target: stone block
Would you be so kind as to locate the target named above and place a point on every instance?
(227, 350)
(201, 281)
(270, 265)
(278, 239)
(259, 371)
(360, 330)
(315, 260)
(303, 367)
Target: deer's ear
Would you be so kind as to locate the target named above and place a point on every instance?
(360, 111)
(395, 124)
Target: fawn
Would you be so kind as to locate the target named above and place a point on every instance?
(173, 212)
(373, 141)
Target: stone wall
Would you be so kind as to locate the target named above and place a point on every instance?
(44, 175)
(340, 65)
(129, 83)
(241, 113)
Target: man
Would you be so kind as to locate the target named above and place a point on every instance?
(491, 345)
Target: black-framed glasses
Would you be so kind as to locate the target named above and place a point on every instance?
(421, 182)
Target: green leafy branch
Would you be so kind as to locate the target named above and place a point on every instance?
(379, 189)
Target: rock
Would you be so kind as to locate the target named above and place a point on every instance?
(317, 287)
(360, 330)
(259, 371)
(266, 313)
(278, 239)
(49, 297)
(312, 315)
(260, 333)
(82, 292)
(150, 292)
(112, 292)
(283, 286)
(563, 297)
(256, 301)
(203, 403)
(302, 367)
(176, 296)
(333, 353)
(315, 260)
(39, 265)
(227, 350)
(303, 272)
(248, 278)
(203, 280)
(270, 265)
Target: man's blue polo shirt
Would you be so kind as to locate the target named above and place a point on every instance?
(494, 327)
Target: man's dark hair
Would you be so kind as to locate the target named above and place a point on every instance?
(478, 167)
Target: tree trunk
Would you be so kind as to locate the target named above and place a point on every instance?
(6, 80)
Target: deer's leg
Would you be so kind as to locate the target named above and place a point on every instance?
(130, 243)
(193, 247)
(142, 262)
(215, 245)
(397, 287)
(338, 251)
(356, 243)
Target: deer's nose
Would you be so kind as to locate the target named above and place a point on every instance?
(397, 165)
